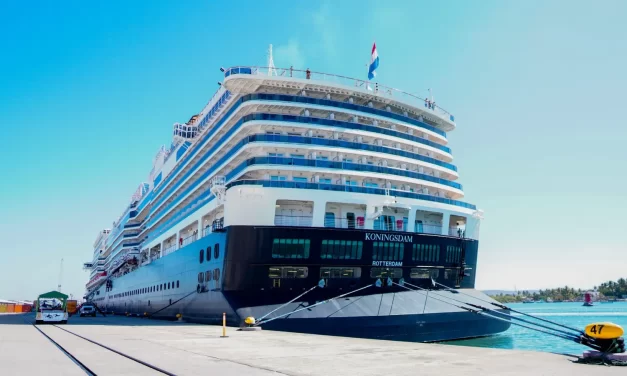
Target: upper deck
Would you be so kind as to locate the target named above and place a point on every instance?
(248, 79)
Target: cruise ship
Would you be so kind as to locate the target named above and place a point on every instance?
(309, 201)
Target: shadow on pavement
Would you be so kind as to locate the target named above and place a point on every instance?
(29, 318)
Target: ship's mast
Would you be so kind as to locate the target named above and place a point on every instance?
(271, 68)
(60, 276)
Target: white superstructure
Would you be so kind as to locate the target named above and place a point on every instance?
(286, 147)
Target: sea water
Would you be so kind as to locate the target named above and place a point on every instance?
(570, 314)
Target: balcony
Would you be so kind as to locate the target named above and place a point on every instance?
(293, 220)
(169, 249)
(457, 231)
(190, 239)
(397, 225)
(217, 225)
(348, 188)
(428, 229)
(336, 222)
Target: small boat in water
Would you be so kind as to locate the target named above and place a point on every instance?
(587, 300)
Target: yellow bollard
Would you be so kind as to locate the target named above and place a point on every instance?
(223, 325)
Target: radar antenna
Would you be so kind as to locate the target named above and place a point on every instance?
(271, 68)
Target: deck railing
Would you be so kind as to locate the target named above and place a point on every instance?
(293, 220)
(428, 229)
(191, 238)
(170, 249)
(376, 88)
(337, 222)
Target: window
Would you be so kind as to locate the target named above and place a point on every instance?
(322, 157)
(351, 182)
(386, 272)
(208, 253)
(216, 275)
(347, 160)
(385, 222)
(325, 181)
(341, 249)
(418, 225)
(290, 248)
(297, 156)
(449, 274)
(339, 272)
(453, 254)
(201, 257)
(201, 277)
(426, 252)
(350, 220)
(168, 285)
(288, 272)
(435, 273)
(278, 178)
(329, 219)
(299, 179)
(419, 273)
(275, 154)
(177, 284)
(216, 251)
(370, 185)
(387, 251)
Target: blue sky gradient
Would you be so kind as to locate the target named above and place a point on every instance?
(88, 93)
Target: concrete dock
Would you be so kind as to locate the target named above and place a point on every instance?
(188, 349)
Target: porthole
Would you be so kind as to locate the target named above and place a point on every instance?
(201, 256)
(168, 285)
(216, 251)
(201, 277)
(208, 253)
(216, 275)
(177, 284)
(208, 275)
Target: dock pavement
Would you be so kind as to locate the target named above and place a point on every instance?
(190, 349)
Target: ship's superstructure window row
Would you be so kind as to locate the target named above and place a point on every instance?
(301, 162)
(341, 249)
(268, 116)
(296, 119)
(290, 248)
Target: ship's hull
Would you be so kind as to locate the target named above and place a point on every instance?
(244, 289)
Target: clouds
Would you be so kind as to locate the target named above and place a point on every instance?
(316, 39)
(289, 54)
(327, 29)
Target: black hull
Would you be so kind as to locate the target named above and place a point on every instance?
(236, 281)
(434, 327)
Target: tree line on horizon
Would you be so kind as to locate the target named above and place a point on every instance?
(609, 290)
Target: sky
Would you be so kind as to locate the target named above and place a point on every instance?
(88, 93)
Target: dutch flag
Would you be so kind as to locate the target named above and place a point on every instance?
(374, 62)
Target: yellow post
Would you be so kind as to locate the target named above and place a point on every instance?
(223, 325)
